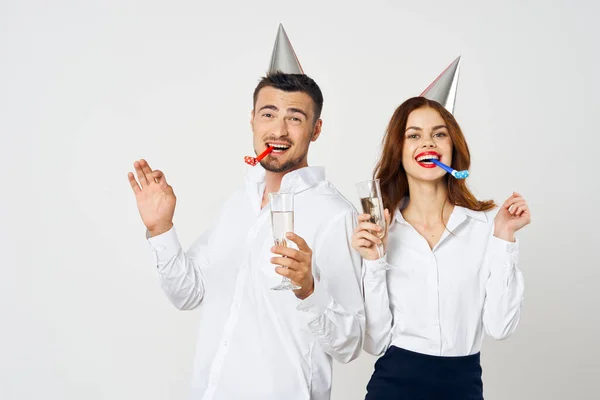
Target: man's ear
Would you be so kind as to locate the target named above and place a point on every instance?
(317, 130)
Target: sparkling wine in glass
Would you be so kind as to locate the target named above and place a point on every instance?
(282, 221)
(371, 201)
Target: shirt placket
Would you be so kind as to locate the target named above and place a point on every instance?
(433, 291)
(434, 301)
(234, 311)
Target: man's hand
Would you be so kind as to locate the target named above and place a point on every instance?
(296, 265)
(155, 198)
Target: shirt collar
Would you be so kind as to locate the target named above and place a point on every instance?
(399, 217)
(478, 215)
(462, 211)
(295, 181)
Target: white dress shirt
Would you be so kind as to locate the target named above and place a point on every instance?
(258, 343)
(440, 301)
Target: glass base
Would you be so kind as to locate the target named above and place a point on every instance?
(286, 284)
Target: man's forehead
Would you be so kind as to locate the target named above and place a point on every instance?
(283, 99)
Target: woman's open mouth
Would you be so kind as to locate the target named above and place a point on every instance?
(424, 159)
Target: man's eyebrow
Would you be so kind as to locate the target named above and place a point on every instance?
(297, 110)
(269, 107)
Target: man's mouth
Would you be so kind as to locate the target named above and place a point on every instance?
(424, 159)
(278, 148)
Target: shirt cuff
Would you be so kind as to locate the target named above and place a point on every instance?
(504, 256)
(165, 246)
(371, 267)
(315, 305)
(501, 247)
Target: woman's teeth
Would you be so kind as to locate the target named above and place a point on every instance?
(427, 158)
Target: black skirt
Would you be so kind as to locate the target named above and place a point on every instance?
(405, 375)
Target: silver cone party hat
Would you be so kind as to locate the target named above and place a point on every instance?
(443, 88)
(283, 58)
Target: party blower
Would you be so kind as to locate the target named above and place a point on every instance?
(450, 170)
(255, 160)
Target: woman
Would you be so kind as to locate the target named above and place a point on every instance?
(452, 264)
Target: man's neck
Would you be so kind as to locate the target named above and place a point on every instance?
(273, 182)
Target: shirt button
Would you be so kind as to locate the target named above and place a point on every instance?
(160, 247)
(226, 344)
(236, 305)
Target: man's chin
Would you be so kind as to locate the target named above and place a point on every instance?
(277, 167)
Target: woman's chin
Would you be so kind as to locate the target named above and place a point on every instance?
(432, 177)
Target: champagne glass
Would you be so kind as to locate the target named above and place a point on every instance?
(371, 201)
(282, 221)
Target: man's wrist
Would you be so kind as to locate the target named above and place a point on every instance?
(160, 229)
(303, 293)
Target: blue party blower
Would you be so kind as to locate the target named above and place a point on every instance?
(450, 170)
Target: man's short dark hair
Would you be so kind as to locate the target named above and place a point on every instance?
(293, 83)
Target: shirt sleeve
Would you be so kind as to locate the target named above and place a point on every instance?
(180, 273)
(504, 288)
(379, 319)
(334, 312)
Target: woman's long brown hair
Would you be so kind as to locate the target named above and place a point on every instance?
(391, 173)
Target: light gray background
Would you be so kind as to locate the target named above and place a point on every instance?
(88, 87)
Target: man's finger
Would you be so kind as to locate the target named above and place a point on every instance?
(301, 243)
(283, 271)
(134, 185)
(288, 273)
(286, 251)
(285, 262)
(147, 170)
(159, 178)
(140, 174)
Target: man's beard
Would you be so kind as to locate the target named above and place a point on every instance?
(286, 166)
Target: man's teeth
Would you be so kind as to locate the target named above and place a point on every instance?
(279, 147)
(427, 158)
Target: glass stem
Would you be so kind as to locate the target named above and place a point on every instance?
(380, 250)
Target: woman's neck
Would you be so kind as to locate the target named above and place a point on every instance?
(427, 202)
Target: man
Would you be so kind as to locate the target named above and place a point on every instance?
(254, 342)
